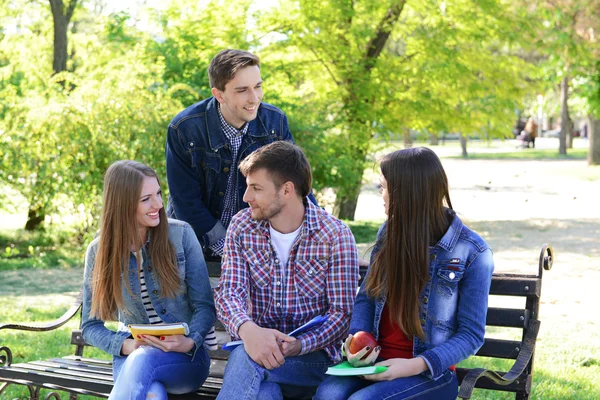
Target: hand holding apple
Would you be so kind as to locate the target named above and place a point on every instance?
(361, 349)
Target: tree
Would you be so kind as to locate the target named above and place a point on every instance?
(61, 15)
(381, 69)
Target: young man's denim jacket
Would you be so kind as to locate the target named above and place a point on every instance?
(199, 159)
(453, 303)
(194, 305)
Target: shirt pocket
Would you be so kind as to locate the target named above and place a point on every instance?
(449, 277)
(206, 161)
(260, 266)
(310, 277)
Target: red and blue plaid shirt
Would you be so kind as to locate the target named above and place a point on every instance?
(320, 278)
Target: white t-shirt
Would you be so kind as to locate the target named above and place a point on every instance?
(282, 242)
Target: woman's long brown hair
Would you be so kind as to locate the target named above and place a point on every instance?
(417, 188)
(119, 232)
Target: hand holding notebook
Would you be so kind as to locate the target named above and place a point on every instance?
(318, 320)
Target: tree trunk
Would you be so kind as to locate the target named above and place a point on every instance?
(594, 139)
(345, 203)
(406, 139)
(565, 119)
(62, 17)
(434, 139)
(463, 146)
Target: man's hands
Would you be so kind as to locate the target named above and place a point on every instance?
(355, 359)
(267, 347)
(177, 343)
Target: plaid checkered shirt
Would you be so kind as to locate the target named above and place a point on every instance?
(320, 278)
(231, 201)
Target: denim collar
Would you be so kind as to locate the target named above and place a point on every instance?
(450, 238)
(216, 136)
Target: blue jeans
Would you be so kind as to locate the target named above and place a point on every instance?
(149, 372)
(297, 378)
(412, 387)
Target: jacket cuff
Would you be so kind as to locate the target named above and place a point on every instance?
(433, 363)
(198, 340)
(117, 342)
(217, 232)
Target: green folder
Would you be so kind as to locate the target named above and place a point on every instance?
(346, 369)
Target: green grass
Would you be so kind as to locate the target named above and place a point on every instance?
(528, 154)
(21, 249)
(364, 231)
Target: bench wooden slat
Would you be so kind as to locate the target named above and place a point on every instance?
(515, 285)
(508, 317)
(497, 348)
(52, 364)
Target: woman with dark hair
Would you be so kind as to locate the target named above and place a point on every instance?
(425, 295)
(141, 269)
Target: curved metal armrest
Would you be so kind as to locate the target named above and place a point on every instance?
(63, 319)
(468, 383)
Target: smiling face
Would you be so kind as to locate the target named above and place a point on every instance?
(383, 190)
(150, 203)
(264, 198)
(241, 97)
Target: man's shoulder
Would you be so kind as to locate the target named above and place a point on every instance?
(269, 109)
(328, 227)
(196, 110)
(242, 221)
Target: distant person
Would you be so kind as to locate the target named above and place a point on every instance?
(425, 295)
(584, 131)
(286, 261)
(529, 134)
(206, 142)
(143, 268)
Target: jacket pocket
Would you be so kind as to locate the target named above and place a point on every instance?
(310, 277)
(259, 266)
(449, 277)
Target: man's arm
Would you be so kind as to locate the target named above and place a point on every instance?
(186, 191)
(342, 279)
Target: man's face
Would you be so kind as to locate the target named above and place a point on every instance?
(241, 97)
(264, 199)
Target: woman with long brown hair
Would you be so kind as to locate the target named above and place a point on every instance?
(425, 295)
(145, 269)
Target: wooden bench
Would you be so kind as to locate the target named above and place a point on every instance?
(76, 374)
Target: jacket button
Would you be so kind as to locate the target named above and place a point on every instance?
(163, 311)
(226, 145)
(422, 321)
(155, 291)
(221, 194)
(425, 300)
(226, 169)
(203, 164)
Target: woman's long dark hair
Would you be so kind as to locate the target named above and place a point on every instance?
(418, 196)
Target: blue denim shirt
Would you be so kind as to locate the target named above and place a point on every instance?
(194, 305)
(453, 303)
(199, 159)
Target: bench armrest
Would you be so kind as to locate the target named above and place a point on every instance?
(63, 319)
(525, 354)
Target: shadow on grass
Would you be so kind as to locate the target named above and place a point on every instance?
(574, 236)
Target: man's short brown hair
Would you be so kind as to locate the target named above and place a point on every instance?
(284, 162)
(224, 65)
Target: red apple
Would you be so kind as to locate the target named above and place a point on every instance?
(360, 340)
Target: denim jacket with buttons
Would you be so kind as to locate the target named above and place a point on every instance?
(453, 302)
(194, 305)
(199, 159)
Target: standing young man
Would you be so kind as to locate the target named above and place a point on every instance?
(285, 262)
(206, 141)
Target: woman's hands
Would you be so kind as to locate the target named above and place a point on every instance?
(129, 345)
(178, 343)
(356, 358)
(398, 368)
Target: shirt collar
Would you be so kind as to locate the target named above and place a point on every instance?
(230, 130)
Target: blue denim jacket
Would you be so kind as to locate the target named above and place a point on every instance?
(199, 159)
(194, 305)
(453, 303)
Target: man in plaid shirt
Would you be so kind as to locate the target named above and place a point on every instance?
(285, 262)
